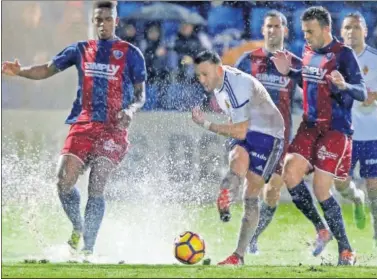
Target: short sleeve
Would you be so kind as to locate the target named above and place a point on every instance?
(66, 58)
(244, 63)
(138, 69)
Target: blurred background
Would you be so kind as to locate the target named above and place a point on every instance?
(37, 30)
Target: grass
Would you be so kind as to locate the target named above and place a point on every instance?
(285, 246)
(172, 271)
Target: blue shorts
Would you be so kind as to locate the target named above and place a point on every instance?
(365, 152)
(264, 152)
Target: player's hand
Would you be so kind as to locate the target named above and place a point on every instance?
(371, 98)
(198, 116)
(124, 118)
(337, 79)
(11, 68)
(282, 61)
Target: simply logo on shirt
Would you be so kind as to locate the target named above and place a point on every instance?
(314, 74)
(107, 71)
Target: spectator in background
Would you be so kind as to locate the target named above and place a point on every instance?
(128, 32)
(187, 45)
(155, 53)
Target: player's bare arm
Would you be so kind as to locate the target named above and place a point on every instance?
(36, 72)
(236, 130)
(125, 116)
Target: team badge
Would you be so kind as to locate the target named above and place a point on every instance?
(329, 56)
(117, 54)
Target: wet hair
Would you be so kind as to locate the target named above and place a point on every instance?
(104, 4)
(207, 55)
(319, 13)
(358, 16)
(275, 13)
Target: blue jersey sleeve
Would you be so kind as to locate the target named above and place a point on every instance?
(350, 69)
(244, 63)
(66, 58)
(138, 69)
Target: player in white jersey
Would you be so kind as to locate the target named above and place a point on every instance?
(257, 128)
(364, 119)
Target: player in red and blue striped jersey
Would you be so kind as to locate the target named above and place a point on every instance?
(332, 80)
(111, 88)
(281, 89)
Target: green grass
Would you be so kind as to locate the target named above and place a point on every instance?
(285, 245)
(172, 271)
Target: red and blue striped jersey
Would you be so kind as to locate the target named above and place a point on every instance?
(107, 71)
(281, 88)
(325, 106)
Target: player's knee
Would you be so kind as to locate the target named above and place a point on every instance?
(65, 182)
(341, 184)
(272, 196)
(290, 176)
(372, 184)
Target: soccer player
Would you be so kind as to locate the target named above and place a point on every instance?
(364, 119)
(281, 89)
(110, 72)
(332, 80)
(257, 128)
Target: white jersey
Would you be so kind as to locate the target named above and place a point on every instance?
(364, 119)
(243, 98)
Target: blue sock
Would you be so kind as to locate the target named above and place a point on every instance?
(94, 211)
(334, 218)
(71, 206)
(265, 216)
(303, 200)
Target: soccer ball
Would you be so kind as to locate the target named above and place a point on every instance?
(189, 248)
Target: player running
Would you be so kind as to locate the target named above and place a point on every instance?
(257, 128)
(110, 72)
(281, 89)
(331, 81)
(364, 119)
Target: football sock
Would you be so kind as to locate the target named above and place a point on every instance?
(351, 192)
(303, 200)
(334, 219)
(372, 195)
(94, 211)
(231, 181)
(265, 216)
(71, 205)
(248, 225)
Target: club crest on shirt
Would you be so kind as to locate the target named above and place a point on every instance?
(329, 55)
(117, 54)
(365, 70)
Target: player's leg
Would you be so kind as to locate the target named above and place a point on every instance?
(372, 196)
(229, 187)
(368, 171)
(333, 159)
(297, 164)
(349, 190)
(271, 197)
(101, 169)
(70, 166)
(265, 152)
(69, 169)
(109, 149)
